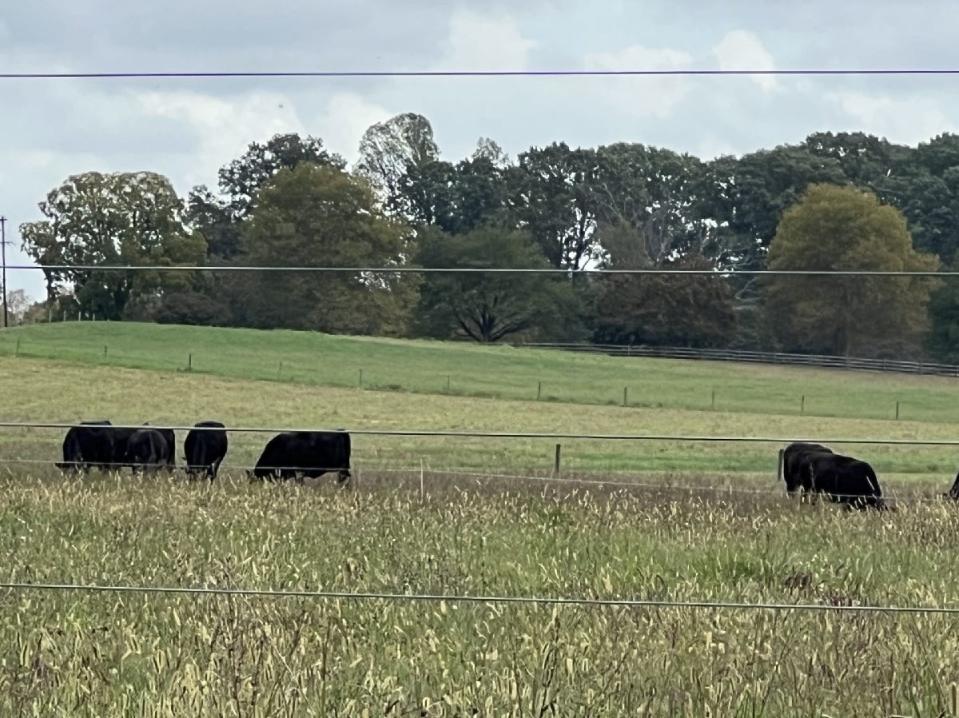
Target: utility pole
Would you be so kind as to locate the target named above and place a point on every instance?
(3, 263)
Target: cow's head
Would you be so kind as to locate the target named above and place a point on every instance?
(793, 481)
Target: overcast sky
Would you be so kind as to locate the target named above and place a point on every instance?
(187, 129)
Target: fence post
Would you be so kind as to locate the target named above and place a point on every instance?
(279, 369)
(779, 464)
(189, 361)
(104, 351)
(539, 390)
(802, 405)
(897, 410)
(625, 395)
(422, 482)
(361, 379)
(713, 402)
(559, 448)
(447, 383)
(17, 351)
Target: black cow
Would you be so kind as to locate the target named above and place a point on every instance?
(148, 449)
(169, 459)
(845, 480)
(120, 436)
(295, 454)
(205, 449)
(88, 445)
(794, 462)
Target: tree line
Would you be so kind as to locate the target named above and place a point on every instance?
(833, 201)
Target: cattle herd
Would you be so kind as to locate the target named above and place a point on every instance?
(812, 469)
(291, 454)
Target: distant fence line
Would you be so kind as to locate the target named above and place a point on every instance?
(816, 360)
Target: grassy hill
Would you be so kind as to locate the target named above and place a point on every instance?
(497, 372)
(61, 372)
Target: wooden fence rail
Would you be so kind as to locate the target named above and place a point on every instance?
(816, 360)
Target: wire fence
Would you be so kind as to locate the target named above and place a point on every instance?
(443, 473)
(493, 599)
(489, 434)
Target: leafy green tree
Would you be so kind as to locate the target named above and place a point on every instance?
(491, 307)
(242, 179)
(658, 194)
(865, 160)
(390, 149)
(456, 198)
(675, 310)
(843, 228)
(943, 341)
(122, 218)
(747, 197)
(220, 218)
(553, 198)
(317, 215)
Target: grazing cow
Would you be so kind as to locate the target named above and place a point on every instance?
(87, 445)
(169, 458)
(148, 449)
(205, 449)
(305, 453)
(844, 480)
(120, 436)
(795, 459)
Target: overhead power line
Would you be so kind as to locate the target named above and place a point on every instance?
(490, 599)
(587, 72)
(405, 269)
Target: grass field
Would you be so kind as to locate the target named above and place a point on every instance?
(142, 379)
(131, 654)
(693, 522)
(423, 367)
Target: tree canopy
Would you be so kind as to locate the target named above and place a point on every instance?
(843, 228)
(130, 218)
(316, 216)
(490, 307)
(623, 204)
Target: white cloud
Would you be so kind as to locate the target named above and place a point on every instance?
(345, 119)
(741, 50)
(904, 120)
(223, 126)
(485, 42)
(643, 96)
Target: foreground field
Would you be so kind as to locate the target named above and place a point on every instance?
(70, 653)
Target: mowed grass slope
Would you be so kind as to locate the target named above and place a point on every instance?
(498, 372)
(84, 386)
